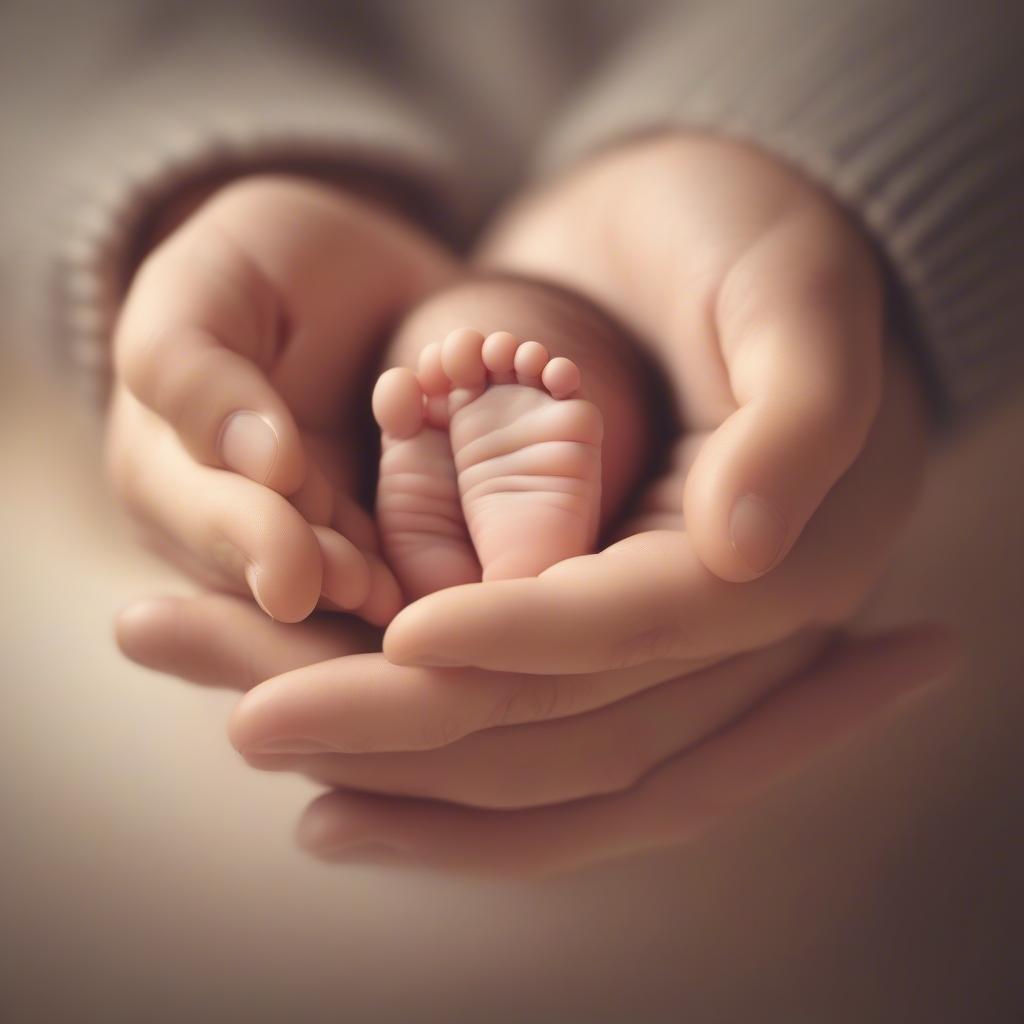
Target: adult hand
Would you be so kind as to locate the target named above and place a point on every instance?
(759, 298)
(571, 668)
(551, 796)
(587, 640)
(243, 355)
(762, 304)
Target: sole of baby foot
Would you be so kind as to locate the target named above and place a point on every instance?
(521, 456)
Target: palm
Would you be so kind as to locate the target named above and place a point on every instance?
(696, 246)
(761, 305)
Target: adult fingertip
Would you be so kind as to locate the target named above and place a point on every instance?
(403, 636)
(139, 626)
(336, 829)
(409, 641)
(325, 828)
(238, 729)
(290, 597)
(254, 721)
(346, 571)
(753, 487)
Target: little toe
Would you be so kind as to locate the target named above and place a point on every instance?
(432, 377)
(561, 377)
(462, 358)
(398, 403)
(530, 359)
(499, 354)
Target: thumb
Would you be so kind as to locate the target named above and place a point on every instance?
(800, 333)
(195, 341)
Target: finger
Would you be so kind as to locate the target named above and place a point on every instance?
(346, 571)
(650, 597)
(799, 324)
(218, 640)
(675, 804)
(246, 533)
(646, 599)
(198, 331)
(357, 581)
(355, 578)
(554, 761)
(366, 704)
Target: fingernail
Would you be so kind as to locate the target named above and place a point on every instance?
(428, 659)
(289, 745)
(248, 445)
(757, 532)
(434, 661)
(252, 577)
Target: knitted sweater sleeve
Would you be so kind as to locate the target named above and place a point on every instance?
(909, 112)
(193, 93)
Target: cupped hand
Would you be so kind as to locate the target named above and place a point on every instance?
(243, 355)
(484, 679)
(803, 438)
(759, 298)
(531, 795)
(610, 752)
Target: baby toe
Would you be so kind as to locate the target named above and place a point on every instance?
(432, 377)
(499, 354)
(462, 358)
(561, 377)
(530, 359)
(398, 403)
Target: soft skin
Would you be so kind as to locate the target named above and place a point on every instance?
(763, 305)
(795, 289)
(469, 771)
(508, 445)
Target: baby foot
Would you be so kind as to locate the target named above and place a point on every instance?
(490, 460)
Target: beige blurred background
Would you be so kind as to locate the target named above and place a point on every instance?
(148, 874)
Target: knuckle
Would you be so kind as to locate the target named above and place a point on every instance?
(188, 386)
(442, 731)
(533, 699)
(152, 369)
(654, 643)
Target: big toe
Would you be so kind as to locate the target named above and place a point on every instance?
(398, 403)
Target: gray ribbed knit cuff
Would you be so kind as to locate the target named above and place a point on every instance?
(101, 233)
(910, 112)
(231, 99)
